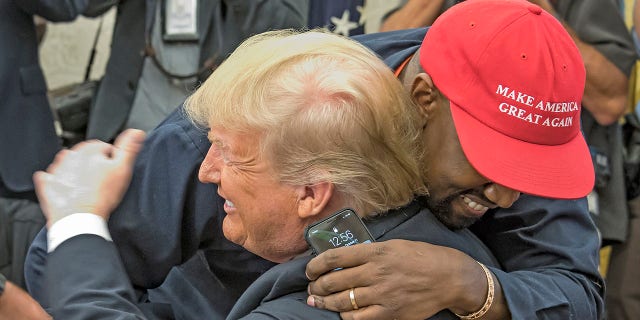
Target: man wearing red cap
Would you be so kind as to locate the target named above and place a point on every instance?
(500, 84)
(604, 42)
(551, 242)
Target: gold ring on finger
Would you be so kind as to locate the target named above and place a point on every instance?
(352, 297)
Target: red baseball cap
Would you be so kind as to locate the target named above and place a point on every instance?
(515, 79)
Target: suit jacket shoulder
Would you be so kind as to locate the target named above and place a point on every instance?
(394, 46)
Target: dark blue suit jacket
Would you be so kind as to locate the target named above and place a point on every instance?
(29, 140)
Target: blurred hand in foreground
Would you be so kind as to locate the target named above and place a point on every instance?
(91, 177)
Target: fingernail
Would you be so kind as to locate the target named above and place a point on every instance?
(311, 301)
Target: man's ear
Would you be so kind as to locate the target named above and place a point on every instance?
(424, 94)
(313, 199)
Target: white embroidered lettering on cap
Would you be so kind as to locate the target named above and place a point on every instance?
(527, 110)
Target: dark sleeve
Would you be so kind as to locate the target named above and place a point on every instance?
(98, 7)
(166, 214)
(54, 10)
(290, 307)
(34, 264)
(281, 294)
(549, 251)
(65, 10)
(257, 16)
(598, 23)
(393, 46)
(85, 279)
(294, 307)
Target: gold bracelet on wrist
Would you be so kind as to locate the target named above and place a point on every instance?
(488, 302)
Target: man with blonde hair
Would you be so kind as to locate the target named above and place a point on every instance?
(301, 126)
(312, 91)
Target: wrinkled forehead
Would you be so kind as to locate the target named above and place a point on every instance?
(237, 143)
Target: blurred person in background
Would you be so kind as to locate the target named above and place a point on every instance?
(29, 141)
(623, 279)
(162, 50)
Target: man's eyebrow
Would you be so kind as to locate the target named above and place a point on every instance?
(214, 139)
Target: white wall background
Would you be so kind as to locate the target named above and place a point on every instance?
(66, 47)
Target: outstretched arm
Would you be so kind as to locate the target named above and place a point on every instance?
(548, 249)
(84, 276)
(399, 279)
(413, 14)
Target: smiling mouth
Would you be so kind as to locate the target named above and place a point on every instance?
(227, 204)
(474, 205)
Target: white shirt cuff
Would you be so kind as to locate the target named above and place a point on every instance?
(74, 225)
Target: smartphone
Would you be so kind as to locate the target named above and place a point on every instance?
(341, 229)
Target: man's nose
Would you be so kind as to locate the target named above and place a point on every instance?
(209, 169)
(503, 196)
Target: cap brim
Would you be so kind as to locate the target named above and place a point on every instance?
(554, 171)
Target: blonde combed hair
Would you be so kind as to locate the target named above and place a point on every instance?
(326, 109)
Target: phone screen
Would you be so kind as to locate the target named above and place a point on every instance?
(341, 229)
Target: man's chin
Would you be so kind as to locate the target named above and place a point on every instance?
(233, 234)
(444, 212)
(453, 221)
